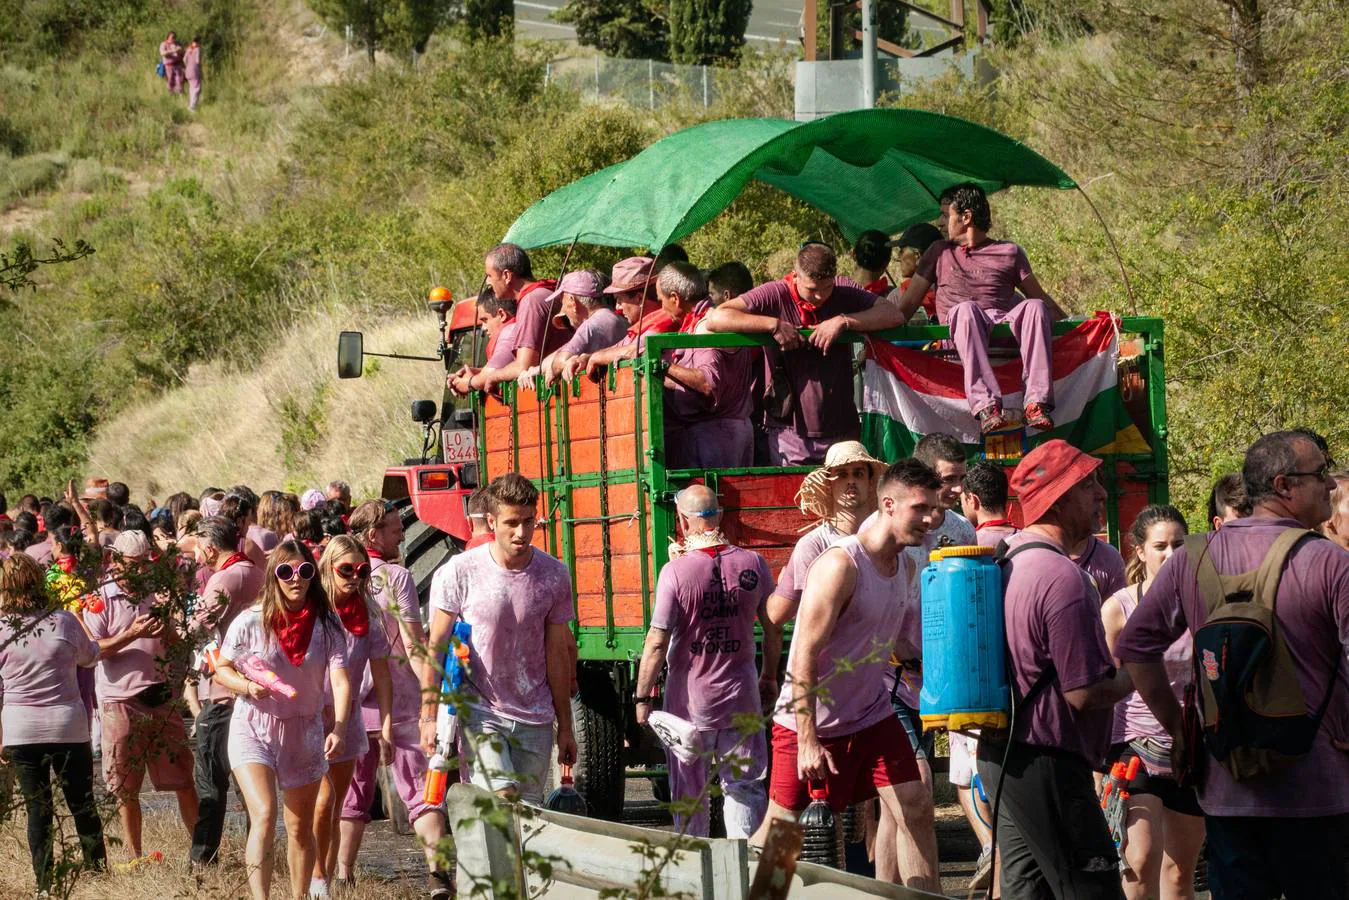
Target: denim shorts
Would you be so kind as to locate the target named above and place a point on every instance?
(504, 753)
(923, 743)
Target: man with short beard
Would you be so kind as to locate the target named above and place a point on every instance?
(834, 722)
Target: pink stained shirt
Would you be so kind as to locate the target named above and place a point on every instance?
(228, 593)
(503, 350)
(135, 666)
(41, 702)
(602, 328)
(509, 610)
(537, 331)
(1133, 719)
(396, 595)
(708, 601)
(1104, 564)
(988, 275)
(1312, 608)
(792, 579)
(855, 699)
(327, 650)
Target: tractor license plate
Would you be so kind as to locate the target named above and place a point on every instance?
(459, 445)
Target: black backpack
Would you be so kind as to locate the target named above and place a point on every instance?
(1253, 714)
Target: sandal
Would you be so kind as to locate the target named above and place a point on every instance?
(1038, 417)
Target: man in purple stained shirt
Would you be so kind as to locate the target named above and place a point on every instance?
(498, 320)
(1102, 562)
(707, 398)
(511, 277)
(809, 404)
(590, 311)
(702, 626)
(1051, 836)
(1282, 833)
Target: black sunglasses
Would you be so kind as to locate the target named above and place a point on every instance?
(346, 570)
(287, 572)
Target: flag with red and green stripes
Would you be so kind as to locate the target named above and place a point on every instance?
(908, 393)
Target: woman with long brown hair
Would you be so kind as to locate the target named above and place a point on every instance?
(275, 657)
(345, 572)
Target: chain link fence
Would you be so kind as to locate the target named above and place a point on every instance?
(638, 82)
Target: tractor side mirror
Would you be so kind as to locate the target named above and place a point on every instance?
(423, 411)
(351, 354)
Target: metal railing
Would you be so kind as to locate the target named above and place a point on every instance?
(638, 82)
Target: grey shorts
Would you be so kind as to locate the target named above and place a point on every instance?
(503, 753)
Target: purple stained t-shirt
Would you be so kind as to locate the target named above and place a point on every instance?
(137, 665)
(374, 644)
(1104, 564)
(727, 374)
(41, 698)
(711, 624)
(503, 351)
(988, 275)
(1133, 719)
(602, 328)
(228, 593)
(1053, 617)
(792, 579)
(327, 649)
(509, 610)
(537, 330)
(821, 384)
(396, 594)
(1312, 607)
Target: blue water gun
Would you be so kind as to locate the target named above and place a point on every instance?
(456, 661)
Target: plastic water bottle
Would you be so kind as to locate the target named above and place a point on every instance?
(854, 824)
(565, 798)
(437, 780)
(821, 838)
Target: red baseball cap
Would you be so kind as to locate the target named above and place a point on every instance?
(1046, 474)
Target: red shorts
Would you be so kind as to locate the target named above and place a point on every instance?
(878, 756)
(137, 737)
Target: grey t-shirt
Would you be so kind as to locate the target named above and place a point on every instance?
(602, 328)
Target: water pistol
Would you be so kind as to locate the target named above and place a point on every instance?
(1115, 802)
(254, 669)
(456, 670)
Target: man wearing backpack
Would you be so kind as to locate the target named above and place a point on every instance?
(1051, 836)
(1273, 771)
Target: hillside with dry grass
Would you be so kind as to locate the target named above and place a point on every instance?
(311, 193)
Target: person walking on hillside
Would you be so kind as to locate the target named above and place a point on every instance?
(702, 625)
(171, 55)
(1277, 823)
(192, 70)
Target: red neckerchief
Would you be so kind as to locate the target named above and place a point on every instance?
(881, 286)
(492, 341)
(691, 321)
(355, 616)
(995, 523)
(808, 312)
(657, 321)
(231, 560)
(66, 564)
(294, 630)
(375, 554)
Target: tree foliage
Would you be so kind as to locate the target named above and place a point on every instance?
(488, 19)
(628, 29)
(398, 26)
(703, 32)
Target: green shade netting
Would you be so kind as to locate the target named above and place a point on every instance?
(870, 168)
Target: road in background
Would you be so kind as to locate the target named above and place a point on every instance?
(770, 21)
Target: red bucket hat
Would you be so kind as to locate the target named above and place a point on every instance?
(1046, 474)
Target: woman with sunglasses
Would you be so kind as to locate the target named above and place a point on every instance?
(345, 573)
(289, 642)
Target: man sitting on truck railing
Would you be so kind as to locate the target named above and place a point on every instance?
(702, 626)
(511, 277)
(707, 397)
(496, 317)
(590, 311)
(634, 287)
(809, 403)
(977, 280)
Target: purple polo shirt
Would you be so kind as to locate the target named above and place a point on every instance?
(712, 675)
(1312, 607)
(1053, 616)
(602, 328)
(534, 318)
(988, 275)
(1104, 564)
(503, 351)
(822, 384)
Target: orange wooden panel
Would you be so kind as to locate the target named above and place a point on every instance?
(627, 610)
(586, 500)
(588, 539)
(625, 574)
(499, 462)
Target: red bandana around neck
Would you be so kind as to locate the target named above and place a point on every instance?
(354, 614)
(655, 322)
(995, 523)
(690, 322)
(375, 554)
(809, 313)
(880, 286)
(294, 630)
(232, 559)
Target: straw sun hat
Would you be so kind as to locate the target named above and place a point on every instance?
(814, 496)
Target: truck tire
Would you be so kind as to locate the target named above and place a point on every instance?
(597, 719)
(425, 548)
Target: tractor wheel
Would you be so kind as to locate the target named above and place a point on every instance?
(597, 719)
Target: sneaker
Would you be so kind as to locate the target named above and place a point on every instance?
(983, 871)
(1038, 417)
(991, 419)
(318, 889)
(441, 884)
